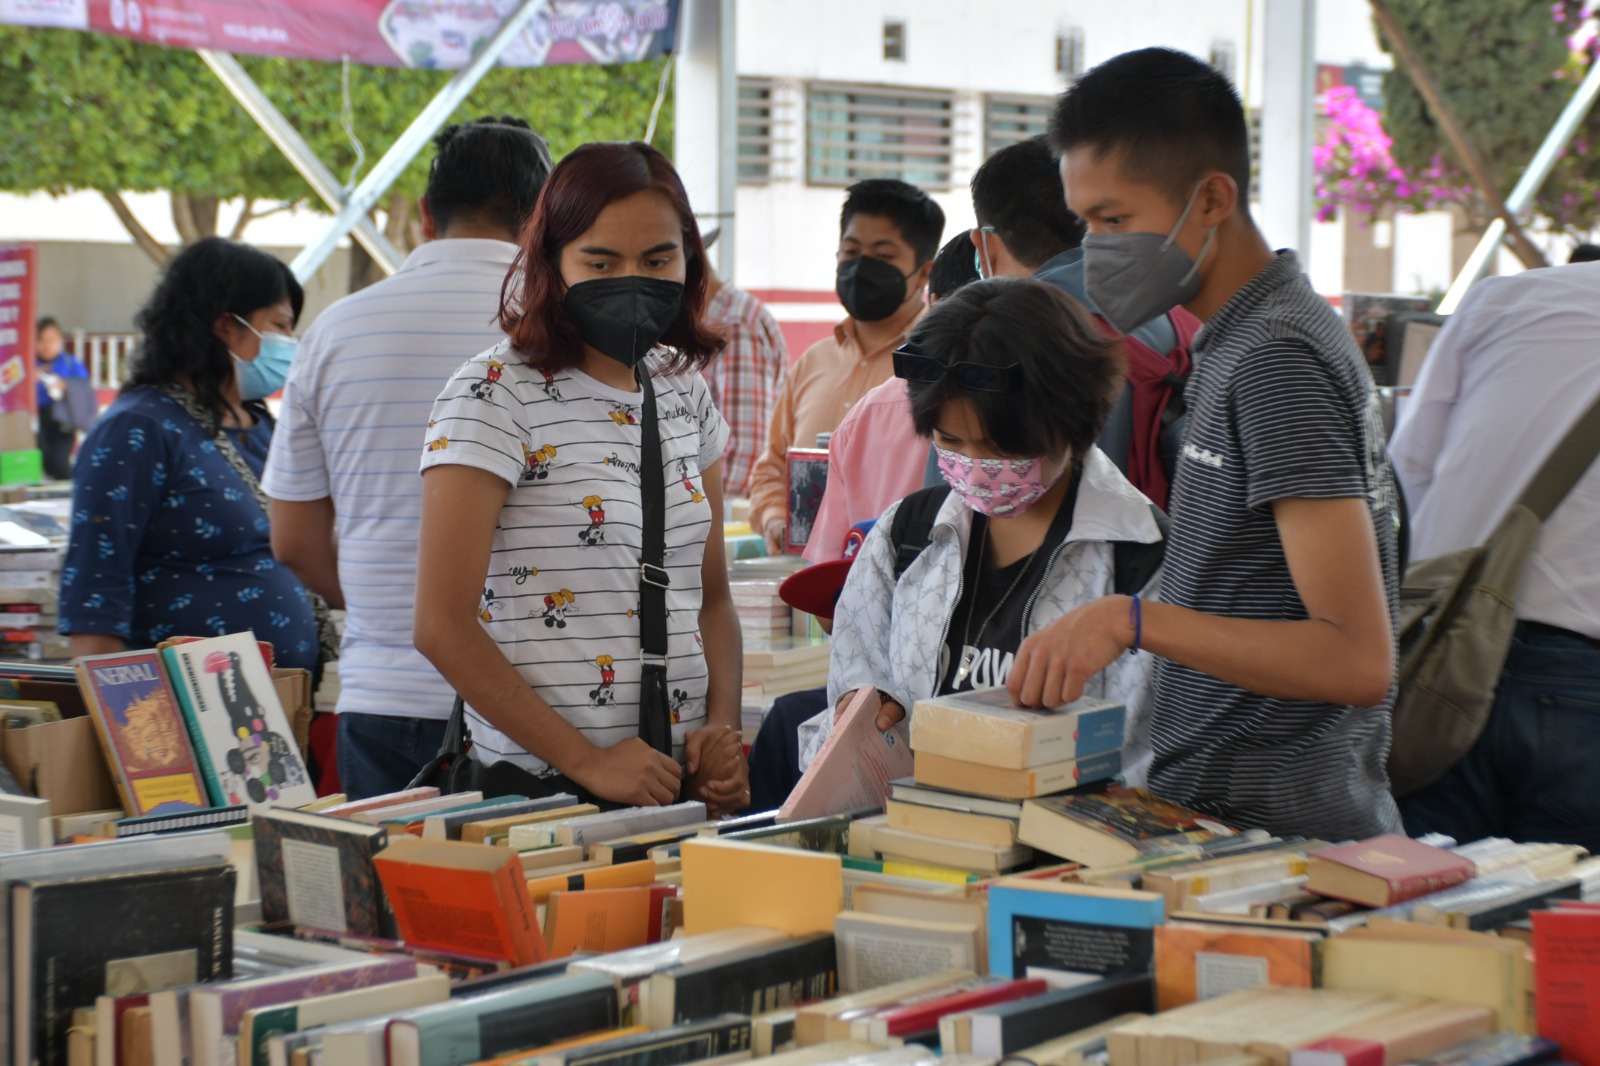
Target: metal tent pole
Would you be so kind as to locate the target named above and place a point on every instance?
(1532, 178)
(388, 169)
(299, 153)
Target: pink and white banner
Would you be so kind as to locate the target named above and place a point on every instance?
(442, 34)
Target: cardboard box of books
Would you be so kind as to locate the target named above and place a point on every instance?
(294, 692)
(61, 762)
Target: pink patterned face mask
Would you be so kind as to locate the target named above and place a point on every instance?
(1000, 488)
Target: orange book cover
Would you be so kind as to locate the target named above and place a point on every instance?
(1566, 981)
(599, 920)
(1196, 961)
(622, 875)
(142, 732)
(457, 897)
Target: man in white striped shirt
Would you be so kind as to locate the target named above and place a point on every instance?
(343, 471)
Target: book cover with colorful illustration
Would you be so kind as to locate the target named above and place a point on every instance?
(142, 732)
(241, 735)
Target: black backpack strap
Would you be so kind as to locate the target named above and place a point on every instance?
(1134, 563)
(912, 526)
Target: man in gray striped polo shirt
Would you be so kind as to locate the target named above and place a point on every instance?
(1274, 637)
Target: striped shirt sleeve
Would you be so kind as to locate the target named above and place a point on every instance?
(1297, 435)
(477, 421)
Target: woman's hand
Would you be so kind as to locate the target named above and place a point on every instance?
(718, 773)
(631, 773)
(890, 713)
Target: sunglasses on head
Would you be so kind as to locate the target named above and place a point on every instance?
(913, 365)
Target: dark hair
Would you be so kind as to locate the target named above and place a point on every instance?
(1585, 253)
(580, 187)
(1018, 192)
(1169, 116)
(48, 322)
(919, 220)
(953, 267)
(210, 278)
(1069, 372)
(490, 168)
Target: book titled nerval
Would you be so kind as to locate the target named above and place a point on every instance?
(242, 737)
(142, 732)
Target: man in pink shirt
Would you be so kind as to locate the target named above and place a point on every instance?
(875, 456)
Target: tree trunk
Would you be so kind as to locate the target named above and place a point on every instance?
(1476, 166)
(183, 218)
(363, 270)
(141, 236)
(246, 216)
(397, 226)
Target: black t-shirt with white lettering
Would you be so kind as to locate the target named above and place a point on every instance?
(1001, 596)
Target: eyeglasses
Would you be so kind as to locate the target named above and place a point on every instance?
(913, 365)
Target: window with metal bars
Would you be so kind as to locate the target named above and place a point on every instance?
(857, 131)
(755, 131)
(1010, 119)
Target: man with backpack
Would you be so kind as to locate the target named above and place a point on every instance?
(1509, 376)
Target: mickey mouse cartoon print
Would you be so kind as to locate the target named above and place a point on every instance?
(557, 606)
(595, 534)
(695, 495)
(604, 696)
(482, 390)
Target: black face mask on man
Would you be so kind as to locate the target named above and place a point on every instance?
(623, 318)
(870, 289)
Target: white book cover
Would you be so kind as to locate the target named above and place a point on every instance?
(632, 821)
(241, 735)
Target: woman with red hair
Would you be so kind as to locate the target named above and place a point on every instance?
(532, 474)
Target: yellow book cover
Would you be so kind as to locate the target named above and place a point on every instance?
(729, 883)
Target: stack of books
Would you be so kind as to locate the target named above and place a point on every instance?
(762, 613)
(782, 664)
(32, 546)
(977, 759)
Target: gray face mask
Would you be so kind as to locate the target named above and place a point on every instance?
(1135, 277)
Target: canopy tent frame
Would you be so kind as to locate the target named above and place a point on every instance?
(351, 206)
(1544, 160)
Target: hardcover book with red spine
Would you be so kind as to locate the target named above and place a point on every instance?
(1385, 870)
(922, 1017)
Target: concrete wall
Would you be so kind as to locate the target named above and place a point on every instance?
(99, 287)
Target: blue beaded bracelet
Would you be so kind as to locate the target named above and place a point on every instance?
(1136, 618)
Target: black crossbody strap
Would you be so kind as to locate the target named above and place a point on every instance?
(655, 721)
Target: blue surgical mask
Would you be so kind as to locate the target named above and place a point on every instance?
(980, 255)
(265, 374)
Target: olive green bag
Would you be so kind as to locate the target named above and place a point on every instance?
(1455, 621)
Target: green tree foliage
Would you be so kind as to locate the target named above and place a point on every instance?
(89, 112)
(1507, 68)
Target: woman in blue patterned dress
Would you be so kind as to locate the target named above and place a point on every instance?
(168, 535)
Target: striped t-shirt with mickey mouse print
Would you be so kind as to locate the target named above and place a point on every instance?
(561, 597)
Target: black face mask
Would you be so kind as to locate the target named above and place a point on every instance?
(870, 289)
(624, 318)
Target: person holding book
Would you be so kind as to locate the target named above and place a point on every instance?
(1274, 639)
(1012, 382)
(170, 531)
(533, 507)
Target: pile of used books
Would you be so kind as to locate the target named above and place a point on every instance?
(977, 911)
